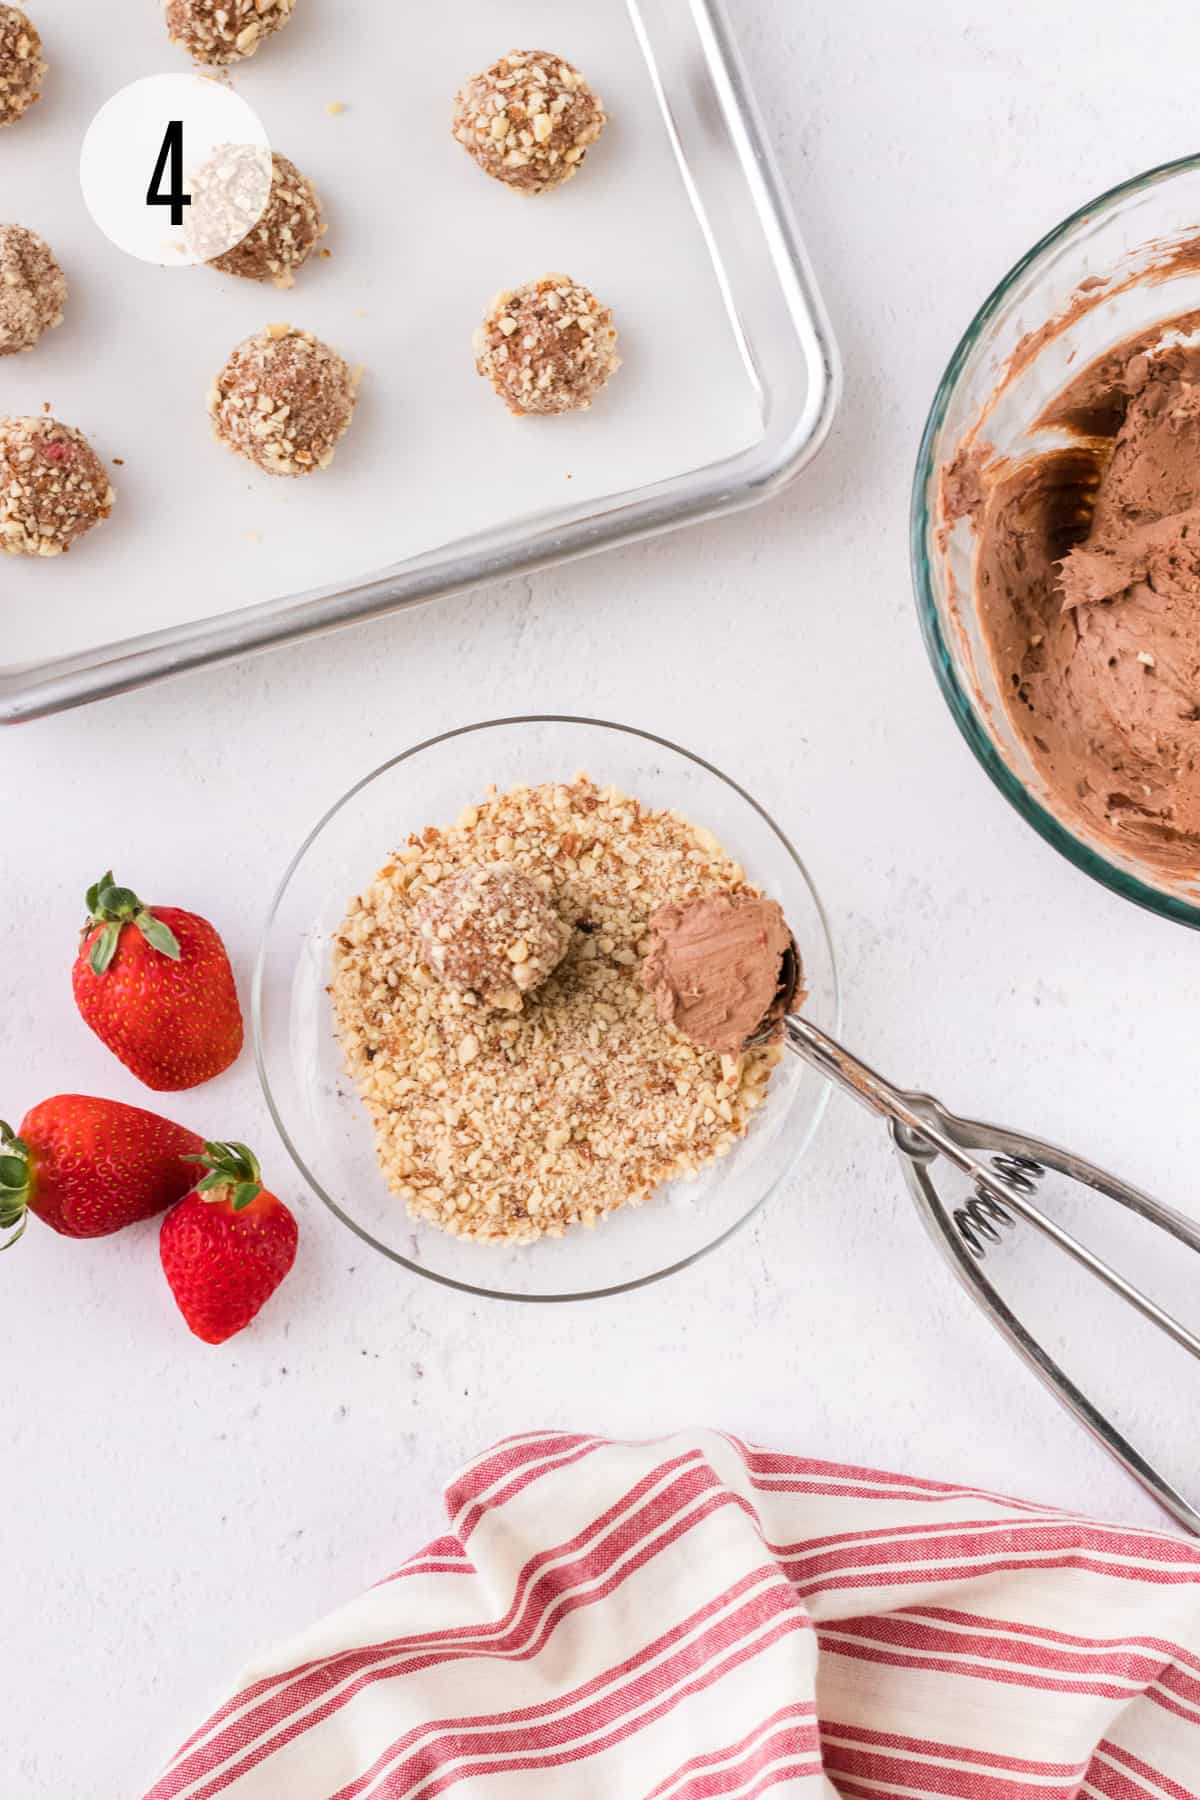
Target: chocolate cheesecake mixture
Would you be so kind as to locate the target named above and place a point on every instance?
(1087, 581)
(724, 969)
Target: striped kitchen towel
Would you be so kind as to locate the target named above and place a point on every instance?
(696, 1619)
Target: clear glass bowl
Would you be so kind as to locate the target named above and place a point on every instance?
(1123, 234)
(313, 1101)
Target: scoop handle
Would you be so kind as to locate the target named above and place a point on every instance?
(923, 1129)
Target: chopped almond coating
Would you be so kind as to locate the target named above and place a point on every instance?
(284, 236)
(284, 400)
(23, 68)
(547, 347)
(216, 32)
(503, 1127)
(529, 120)
(33, 289)
(53, 487)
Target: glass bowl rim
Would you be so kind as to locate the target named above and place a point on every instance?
(963, 710)
(478, 1290)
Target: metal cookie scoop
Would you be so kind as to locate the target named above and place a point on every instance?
(1004, 1169)
(719, 967)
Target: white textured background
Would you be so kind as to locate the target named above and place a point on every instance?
(165, 1509)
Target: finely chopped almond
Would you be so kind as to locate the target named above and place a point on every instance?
(504, 1127)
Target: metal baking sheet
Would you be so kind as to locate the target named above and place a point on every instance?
(729, 382)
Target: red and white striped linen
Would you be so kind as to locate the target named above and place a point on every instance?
(697, 1619)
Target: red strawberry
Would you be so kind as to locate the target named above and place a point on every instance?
(87, 1167)
(157, 988)
(226, 1248)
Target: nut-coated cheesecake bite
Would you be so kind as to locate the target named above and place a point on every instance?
(277, 239)
(219, 32)
(547, 347)
(53, 487)
(528, 121)
(491, 931)
(284, 401)
(23, 68)
(33, 290)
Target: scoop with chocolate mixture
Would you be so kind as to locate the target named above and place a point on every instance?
(724, 969)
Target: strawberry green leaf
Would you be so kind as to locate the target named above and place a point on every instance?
(118, 902)
(236, 1160)
(112, 908)
(216, 1156)
(95, 891)
(8, 1221)
(104, 948)
(233, 1169)
(15, 1183)
(160, 937)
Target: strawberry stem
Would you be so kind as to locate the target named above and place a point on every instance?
(233, 1174)
(112, 908)
(16, 1184)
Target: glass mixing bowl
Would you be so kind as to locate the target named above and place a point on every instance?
(315, 1106)
(1119, 246)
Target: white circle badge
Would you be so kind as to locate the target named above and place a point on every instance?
(176, 169)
